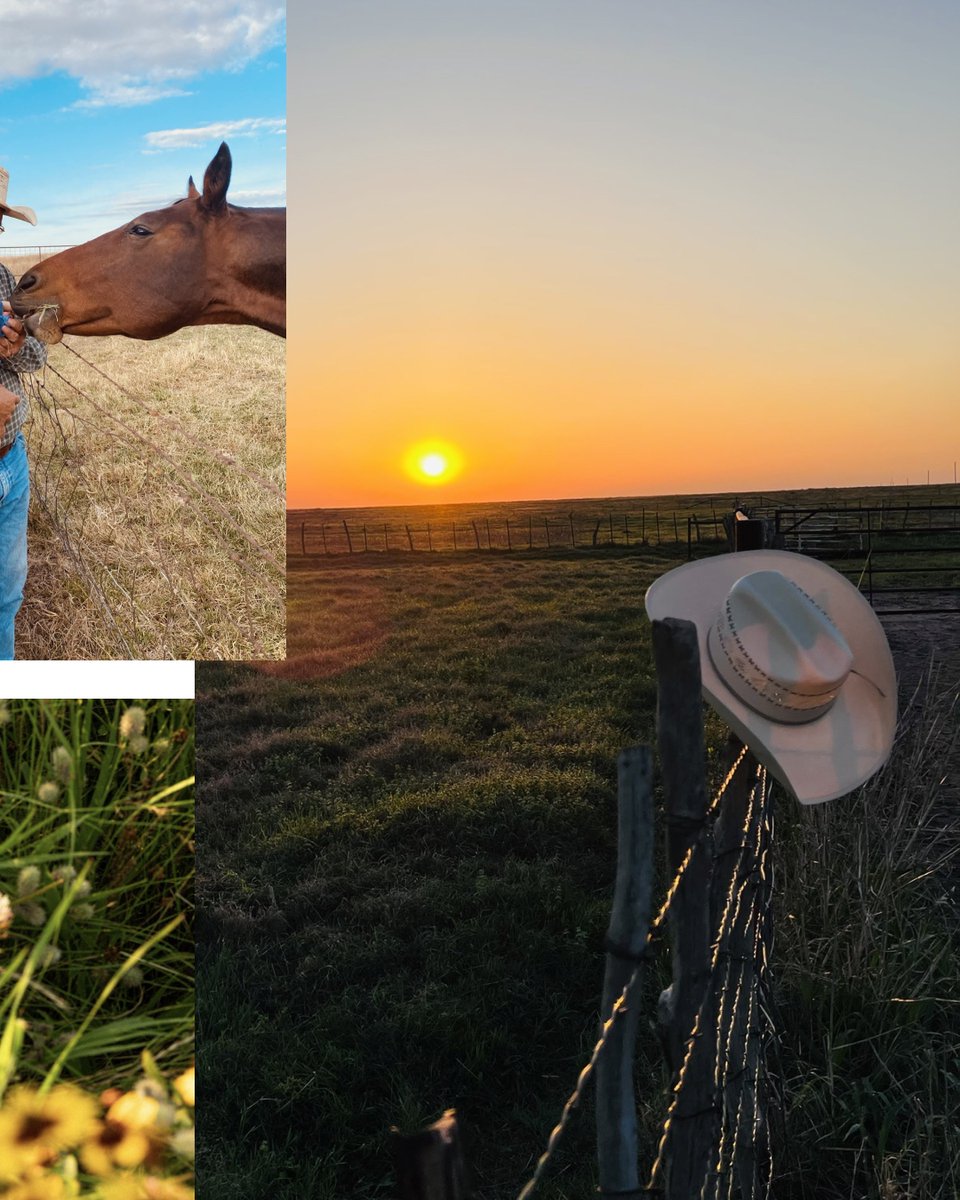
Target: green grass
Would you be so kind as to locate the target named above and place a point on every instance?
(103, 873)
(405, 862)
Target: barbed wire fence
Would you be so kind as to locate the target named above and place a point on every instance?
(163, 546)
(716, 1020)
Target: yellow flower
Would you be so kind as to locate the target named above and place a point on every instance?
(186, 1085)
(126, 1137)
(46, 1187)
(142, 1187)
(35, 1128)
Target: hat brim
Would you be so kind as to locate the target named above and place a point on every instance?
(22, 213)
(821, 759)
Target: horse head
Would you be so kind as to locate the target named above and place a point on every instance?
(198, 261)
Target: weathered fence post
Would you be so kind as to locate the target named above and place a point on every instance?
(346, 530)
(409, 536)
(626, 938)
(303, 537)
(476, 533)
(429, 1164)
(684, 1006)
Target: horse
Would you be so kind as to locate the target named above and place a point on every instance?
(200, 261)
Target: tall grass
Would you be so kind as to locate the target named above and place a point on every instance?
(867, 962)
(96, 857)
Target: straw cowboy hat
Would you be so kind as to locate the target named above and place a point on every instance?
(796, 662)
(23, 213)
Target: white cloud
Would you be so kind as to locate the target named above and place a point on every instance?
(175, 139)
(134, 51)
(126, 95)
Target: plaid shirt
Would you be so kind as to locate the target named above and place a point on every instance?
(29, 358)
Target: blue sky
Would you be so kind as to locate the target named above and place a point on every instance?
(104, 114)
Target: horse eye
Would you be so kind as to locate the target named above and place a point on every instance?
(141, 231)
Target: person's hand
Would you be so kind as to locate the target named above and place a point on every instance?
(12, 335)
(8, 402)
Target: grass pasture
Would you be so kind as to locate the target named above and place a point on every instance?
(405, 861)
(156, 526)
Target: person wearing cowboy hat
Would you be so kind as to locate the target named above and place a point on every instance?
(19, 355)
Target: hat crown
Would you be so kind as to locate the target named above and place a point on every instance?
(777, 649)
(21, 212)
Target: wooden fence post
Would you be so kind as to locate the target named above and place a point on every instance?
(682, 762)
(346, 530)
(303, 537)
(429, 1164)
(626, 938)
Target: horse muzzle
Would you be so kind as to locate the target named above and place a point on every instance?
(40, 320)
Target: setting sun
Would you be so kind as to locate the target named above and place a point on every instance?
(433, 462)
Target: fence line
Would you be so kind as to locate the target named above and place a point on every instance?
(713, 1140)
(646, 528)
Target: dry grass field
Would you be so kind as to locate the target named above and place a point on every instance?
(157, 524)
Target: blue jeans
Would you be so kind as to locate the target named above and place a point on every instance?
(14, 502)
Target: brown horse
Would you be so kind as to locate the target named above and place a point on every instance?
(201, 261)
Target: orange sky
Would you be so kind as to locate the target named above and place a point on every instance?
(632, 254)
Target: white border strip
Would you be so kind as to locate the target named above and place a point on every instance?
(97, 680)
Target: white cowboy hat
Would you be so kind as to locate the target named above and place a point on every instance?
(23, 213)
(796, 662)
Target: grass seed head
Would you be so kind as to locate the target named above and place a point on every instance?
(62, 761)
(49, 792)
(28, 881)
(133, 722)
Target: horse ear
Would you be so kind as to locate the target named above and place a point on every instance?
(192, 193)
(216, 180)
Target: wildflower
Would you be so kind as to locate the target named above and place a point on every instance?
(28, 881)
(161, 745)
(82, 912)
(65, 874)
(44, 1187)
(139, 744)
(35, 1128)
(185, 1086)
(142, 1187)
(49, 792)
(84, 888)
(125, 1138)
(62, 761)
(132, 723)
(133, 978)
(49, 956)
(6, 913)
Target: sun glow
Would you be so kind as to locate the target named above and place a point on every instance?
(433, 462)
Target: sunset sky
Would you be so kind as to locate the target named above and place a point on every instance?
(621, 248)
